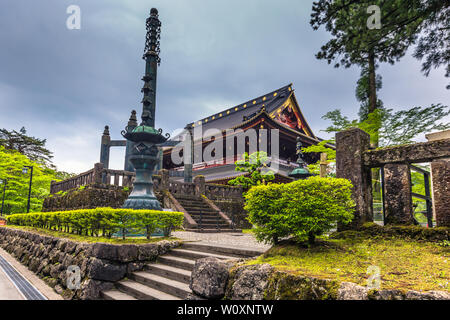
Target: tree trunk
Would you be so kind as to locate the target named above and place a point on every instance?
(372, 91)
(311, 238)
(372, 83)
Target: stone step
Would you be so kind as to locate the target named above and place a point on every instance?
(225, 250)
(212, 226)
(169, 272)
(209, 225)
(143, 292)
(116, 295)
(209, 211)
(199, 209)
(215, 230)
(177, 262)
(168, 286)
(184, 197)
(204, 218)
(194, 255)
(193, 203)
(206, 215)
(190, 200)
(212, 219)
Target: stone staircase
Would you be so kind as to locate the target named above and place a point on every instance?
(169, 277)
(208, 220)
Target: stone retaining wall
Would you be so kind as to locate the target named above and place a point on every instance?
(89, 197)
(100, 264)
(234, 209)
(216, 279)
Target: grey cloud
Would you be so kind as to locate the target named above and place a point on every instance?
(65, 85)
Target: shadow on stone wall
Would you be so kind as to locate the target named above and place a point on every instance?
(101, 264)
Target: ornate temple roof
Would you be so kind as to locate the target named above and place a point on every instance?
(281, 105)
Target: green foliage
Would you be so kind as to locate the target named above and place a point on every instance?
(256, 167)
(331, 158)
(303, 209)
(33, 148)
(89, 239)
(352, 40)
(105, 221)
(396, 128)
(16, 197)
(405, 264)
(434, 43)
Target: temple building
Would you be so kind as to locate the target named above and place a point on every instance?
(275, 110)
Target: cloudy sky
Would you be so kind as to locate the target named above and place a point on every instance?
(65, 85)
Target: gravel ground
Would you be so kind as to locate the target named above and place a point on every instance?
(241, 240)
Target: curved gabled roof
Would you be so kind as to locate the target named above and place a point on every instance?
(234, 116)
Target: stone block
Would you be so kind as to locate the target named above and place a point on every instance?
(441, 192)
(209, 278)
(397, 193)
(350, 146)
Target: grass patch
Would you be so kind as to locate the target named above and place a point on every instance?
(404, 264)
(248, 231)
(79, 238)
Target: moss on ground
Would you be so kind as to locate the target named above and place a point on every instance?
(80, 238)
(404, 264)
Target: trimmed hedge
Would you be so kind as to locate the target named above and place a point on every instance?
(101, 221)
(303, 209)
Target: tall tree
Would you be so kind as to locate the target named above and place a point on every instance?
(33, 148)
(355, 42)
(16, 195)
(434, 42)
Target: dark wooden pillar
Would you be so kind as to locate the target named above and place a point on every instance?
(441, 191)
(350, 145)
(398, 204)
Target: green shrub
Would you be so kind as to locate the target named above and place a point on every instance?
(302, 209)
(105, 221)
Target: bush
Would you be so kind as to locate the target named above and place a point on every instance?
(101, 220)
(302, 209)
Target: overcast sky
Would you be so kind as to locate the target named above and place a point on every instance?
(66, 85)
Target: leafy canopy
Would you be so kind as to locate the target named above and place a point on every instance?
(397, 128)
(352, 41)
(255, 167)
(16, 195)
(33, 148)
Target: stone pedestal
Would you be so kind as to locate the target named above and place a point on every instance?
(164, 185)
(397, 190)
(142, 196)
(441, 191)
(350, 145)
(200, 185)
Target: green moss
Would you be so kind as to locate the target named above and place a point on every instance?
(404, 264)
(79, 238)
(418, 233)
(285, 286)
